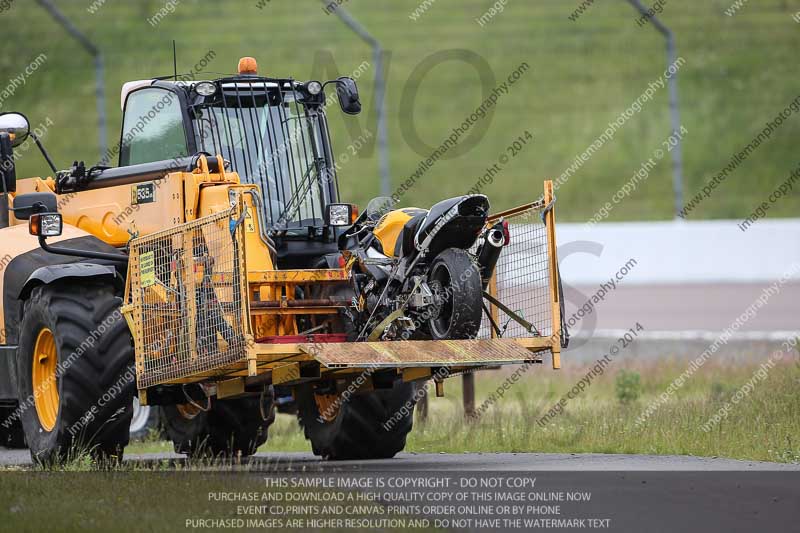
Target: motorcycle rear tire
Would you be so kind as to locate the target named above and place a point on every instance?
(456, 278)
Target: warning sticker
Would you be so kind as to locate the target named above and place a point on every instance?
(249, 224)
(147, 267)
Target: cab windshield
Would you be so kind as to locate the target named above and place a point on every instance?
(274, 141)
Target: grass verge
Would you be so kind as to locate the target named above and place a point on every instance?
(762, 426)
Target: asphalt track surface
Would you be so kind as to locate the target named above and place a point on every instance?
(473, 462)
(630, 493)
(689, 307)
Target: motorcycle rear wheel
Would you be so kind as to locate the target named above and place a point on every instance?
(456, 283)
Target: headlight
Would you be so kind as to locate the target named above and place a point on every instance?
(45, 224)
(314, 87)
(340, 214)
(205, 88)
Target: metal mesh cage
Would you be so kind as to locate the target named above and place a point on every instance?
(187, 293)
(522, 278)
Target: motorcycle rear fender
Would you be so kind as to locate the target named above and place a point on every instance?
(453, 223)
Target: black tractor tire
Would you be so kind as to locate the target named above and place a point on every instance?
(95, 376)
(359, 429)
(455, 279)
(11, 433)
(229, 428)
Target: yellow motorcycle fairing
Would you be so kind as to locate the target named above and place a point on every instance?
(390, 226)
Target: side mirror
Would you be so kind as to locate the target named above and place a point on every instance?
(16, 125)
(347, 90)
(27, 204)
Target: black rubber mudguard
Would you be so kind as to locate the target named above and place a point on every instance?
(38, 267)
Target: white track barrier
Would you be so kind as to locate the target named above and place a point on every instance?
(679, 252)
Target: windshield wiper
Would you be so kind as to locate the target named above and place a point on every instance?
(296, 200)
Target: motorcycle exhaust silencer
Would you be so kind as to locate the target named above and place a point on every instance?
(493, 242)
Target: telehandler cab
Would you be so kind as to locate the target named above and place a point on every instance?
(216, 266)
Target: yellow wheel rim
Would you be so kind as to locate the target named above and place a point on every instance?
(328, 406)
(187, 410)
(45, 388)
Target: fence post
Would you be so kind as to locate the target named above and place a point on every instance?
(380, 94)
(422, 403)
(99, 72)
(468, 394)
(674, 109)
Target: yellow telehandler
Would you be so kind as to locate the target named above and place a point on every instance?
(215, 273)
